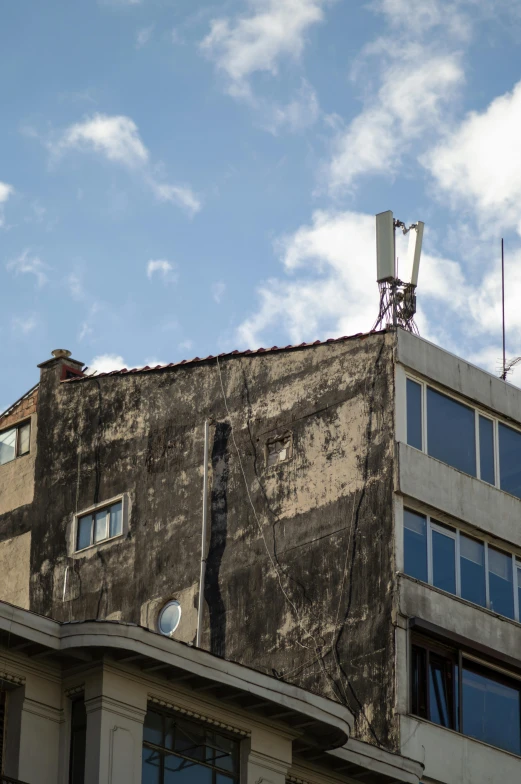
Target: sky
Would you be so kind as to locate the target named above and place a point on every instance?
(180, 178)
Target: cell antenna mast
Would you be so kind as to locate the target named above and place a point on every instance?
(397, 298)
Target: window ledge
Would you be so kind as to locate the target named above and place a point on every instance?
(467, 738)
(459, 599)
(97, 545)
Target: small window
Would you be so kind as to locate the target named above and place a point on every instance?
(501, 583)
(491, 707)
(414, 414)
(78, 745)
(279, 449)
(169, 618)
(443, 558)
(99, 526)
(15, 442)
(472, 570)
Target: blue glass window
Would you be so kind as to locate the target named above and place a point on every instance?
(451, 432)
(414, 414)
(185, 752)
(486, 450)
(491, 708)
(415, 544)
(98, 526)
(510, 460)
(501, 586)
(472, 570)
(443, 561)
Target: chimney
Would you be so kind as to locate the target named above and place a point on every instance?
(61, 366)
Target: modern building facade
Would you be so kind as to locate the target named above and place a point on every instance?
(363, 549)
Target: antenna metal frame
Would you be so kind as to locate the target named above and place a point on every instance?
(398, 298)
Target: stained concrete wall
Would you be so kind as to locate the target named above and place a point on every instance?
(15, 570)
(299, 581)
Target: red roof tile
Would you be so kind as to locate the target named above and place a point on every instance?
(235, 353)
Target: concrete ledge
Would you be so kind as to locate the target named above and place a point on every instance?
(458, 617)
(460, 376)
(455, 759)
(458, 495)
(379, 761)
(328, 724)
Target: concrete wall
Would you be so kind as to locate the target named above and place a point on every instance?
(15, 570)
(299, 581)
(448, 490)
(17, 477)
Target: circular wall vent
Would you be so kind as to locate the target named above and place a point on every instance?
(169, 618)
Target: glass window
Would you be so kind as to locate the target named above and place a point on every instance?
(116, 520)
(414, 414)
(84, 532)
(169, 618)
(179, 751)
(486, 450)
(490, 701)
(451, 432)
(472, 570)
(78, 742)
(443, 561)
(7, 446)
(441, 693)
(501, 587)
(518, 567)
(98, 526)
(415, 545)
(491, 708)
(510, 460)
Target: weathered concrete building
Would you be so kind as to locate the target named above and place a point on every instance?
(364, 512)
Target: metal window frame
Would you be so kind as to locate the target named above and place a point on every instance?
(454, 532)
(93, 510)
(17, 427)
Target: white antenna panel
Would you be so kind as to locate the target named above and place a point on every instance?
(385, 254)
(415, 249)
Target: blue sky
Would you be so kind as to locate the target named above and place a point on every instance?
(182, 177)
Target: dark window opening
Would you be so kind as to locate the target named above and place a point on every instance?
(78, 742)
(279, 449)
(414, 414)
(451, 432)
(454, 691)
(179, 751)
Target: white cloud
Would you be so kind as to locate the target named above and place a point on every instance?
(258, 40)
(186, 345)
(302, 111)
(23, 326)
(143, 36)
(182, 196)
(218, 290)
(75, 286)
(5, 192)
(408, 104)
(166, 270)
(117, 139)
(104, 363)
(27, 264)
(478, 164)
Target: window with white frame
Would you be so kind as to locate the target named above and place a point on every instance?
(99, 525)
(461, 564)
(464, 437)
(15, 442)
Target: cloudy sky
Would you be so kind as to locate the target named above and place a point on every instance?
(184, 177)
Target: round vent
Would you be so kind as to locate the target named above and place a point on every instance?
(169, 618)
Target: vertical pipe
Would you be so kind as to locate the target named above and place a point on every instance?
(203, 539)
(504, 374)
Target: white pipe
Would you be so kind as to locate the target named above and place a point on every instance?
(65, 582)
(203, 539)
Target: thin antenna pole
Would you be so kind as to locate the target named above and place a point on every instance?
(504, 373)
